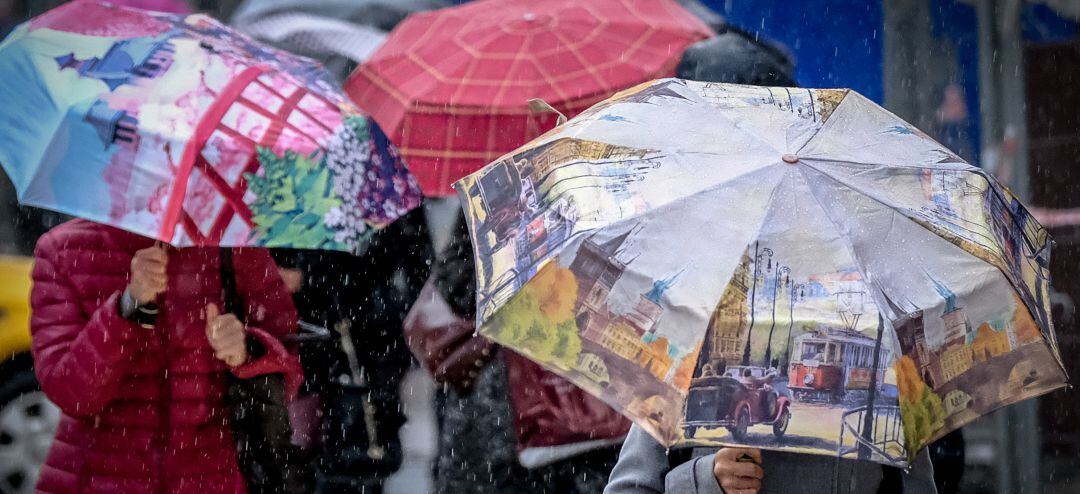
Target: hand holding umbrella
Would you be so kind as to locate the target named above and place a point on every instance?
(148, 275)
(738, 470)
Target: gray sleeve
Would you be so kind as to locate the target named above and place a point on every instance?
(694, 476)
(919, 479)
(643, 469)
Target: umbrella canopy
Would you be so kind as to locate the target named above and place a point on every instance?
(338, 33)
(452, 86)
(317, 36)
(379, 14)
(735, 57)
(181, 129)
(790, 269)
(173, 6)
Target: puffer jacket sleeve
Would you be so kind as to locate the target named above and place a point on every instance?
(270, 315)
(80, 359)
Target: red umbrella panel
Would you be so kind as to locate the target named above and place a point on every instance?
(452, 86)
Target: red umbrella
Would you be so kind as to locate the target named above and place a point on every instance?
(451, 86)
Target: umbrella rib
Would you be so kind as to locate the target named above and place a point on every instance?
(817, 115)
(840, 231)
(876, 198)
(986, 257)
(967, 167)
(973, 170)
(519, 55)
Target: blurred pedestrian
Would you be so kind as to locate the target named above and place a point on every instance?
(736, 57)
(134, 342)
(497, 432)
(338, 33)
(12, 12)
(356, 376)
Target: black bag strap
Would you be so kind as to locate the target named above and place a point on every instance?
(230, 295)
(270, 463)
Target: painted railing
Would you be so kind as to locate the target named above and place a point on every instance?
(885, 440)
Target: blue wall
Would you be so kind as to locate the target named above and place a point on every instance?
(957, 25)
(834, 43)
(838, 43)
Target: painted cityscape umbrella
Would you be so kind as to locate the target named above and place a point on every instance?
(181, 129)
(792, 269)
(452, 86)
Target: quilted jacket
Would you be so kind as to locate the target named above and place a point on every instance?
(143, 408)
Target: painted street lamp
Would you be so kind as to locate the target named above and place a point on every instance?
(784, 271)
(798, 292)
(759, 255)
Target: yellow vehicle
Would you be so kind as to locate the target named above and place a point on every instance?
(27, 418)
(14, 305)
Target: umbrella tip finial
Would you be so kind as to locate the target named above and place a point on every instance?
(790, 159)
(537, 105)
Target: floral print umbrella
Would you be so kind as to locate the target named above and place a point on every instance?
(790, 269)
(181, 129)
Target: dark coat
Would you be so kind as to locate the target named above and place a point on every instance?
(734, 56)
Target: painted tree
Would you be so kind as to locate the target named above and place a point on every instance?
(293, 195)
(921, 408)
(539, 319)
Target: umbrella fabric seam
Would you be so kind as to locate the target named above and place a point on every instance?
(825, 123)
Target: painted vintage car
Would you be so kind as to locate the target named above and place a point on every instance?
(738, 399)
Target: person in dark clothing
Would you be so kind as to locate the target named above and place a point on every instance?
(478, 444)
(947, 455)
(727, 56)
(363, 300)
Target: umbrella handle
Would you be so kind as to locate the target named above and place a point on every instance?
(150, 310)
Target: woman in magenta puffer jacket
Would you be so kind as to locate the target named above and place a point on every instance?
(143, 405)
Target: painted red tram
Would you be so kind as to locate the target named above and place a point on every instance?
(834, 365)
